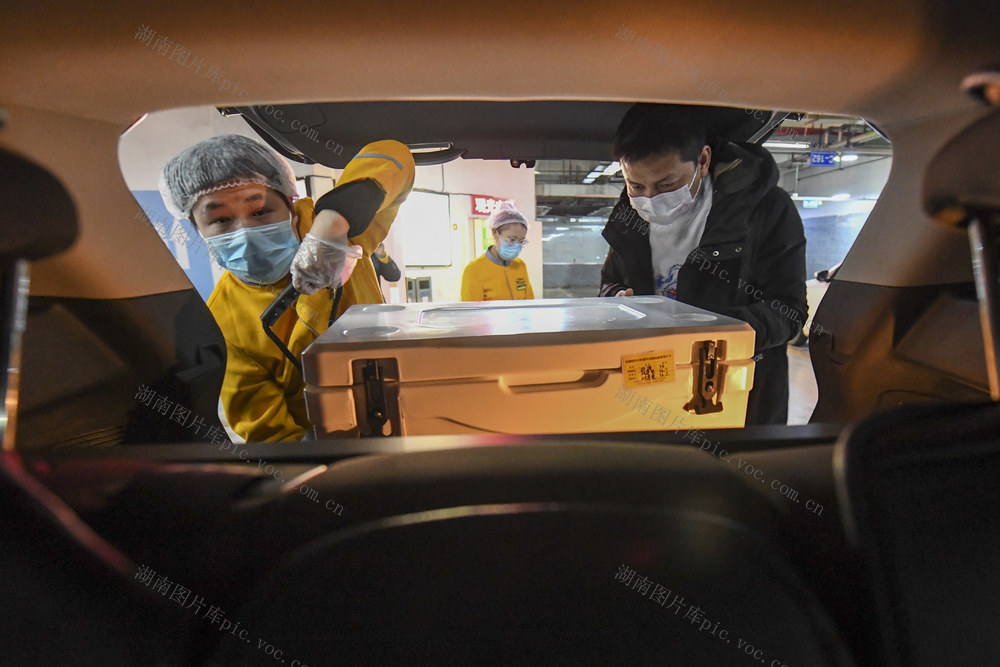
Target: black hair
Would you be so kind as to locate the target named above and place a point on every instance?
(658, 129)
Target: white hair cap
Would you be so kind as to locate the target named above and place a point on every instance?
(505, 214)
(221, 162)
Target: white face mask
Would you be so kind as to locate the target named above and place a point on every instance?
(664, 207)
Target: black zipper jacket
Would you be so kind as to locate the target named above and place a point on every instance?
(749, 264)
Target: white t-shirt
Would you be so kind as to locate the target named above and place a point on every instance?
(673, 242)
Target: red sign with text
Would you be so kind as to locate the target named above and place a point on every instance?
(483, 205)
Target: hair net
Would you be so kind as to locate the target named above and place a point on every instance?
(221, 162)
(505, 214)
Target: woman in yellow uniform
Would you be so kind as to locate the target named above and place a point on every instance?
(239, 195)
(498, 273)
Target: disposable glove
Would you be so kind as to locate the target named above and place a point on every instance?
(320, 263)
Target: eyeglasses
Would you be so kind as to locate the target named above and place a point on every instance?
(521, 242)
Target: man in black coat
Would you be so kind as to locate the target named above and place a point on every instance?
(711, 229)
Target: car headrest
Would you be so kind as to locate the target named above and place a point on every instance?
(539, 584)
(38, 218)
(964, 177)
(918, 490)
(508, 554)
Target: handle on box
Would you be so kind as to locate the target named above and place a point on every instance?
(587, 380)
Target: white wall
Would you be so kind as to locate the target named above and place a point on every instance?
(161, 135)
(861, 181)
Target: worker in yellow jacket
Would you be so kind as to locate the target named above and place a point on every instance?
(240, 196)
(498, 273)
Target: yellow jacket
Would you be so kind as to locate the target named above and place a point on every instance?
(262, 391)
(486, 278)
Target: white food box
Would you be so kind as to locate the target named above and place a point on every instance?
(583, 365)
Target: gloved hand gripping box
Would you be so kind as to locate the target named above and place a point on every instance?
(528, 367)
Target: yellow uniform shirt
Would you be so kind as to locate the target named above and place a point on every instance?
(487, 278)
(262, 391)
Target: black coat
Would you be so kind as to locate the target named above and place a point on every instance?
(749, 264)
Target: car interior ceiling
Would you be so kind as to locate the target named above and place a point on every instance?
(460, 548)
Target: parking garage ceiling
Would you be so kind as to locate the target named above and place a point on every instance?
(587, 189)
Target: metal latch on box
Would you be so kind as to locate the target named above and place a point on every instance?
(375, 408)
(706, 380)
(376, 396)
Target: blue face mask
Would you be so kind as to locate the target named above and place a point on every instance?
(256, 255)
(508, 251)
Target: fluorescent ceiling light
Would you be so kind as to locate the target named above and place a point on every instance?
(786, 144)
(838, 197)
(612, 169)
(589, 180)
(847, 157)
(562, 229)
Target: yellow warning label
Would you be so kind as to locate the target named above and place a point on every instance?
(651, 368)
